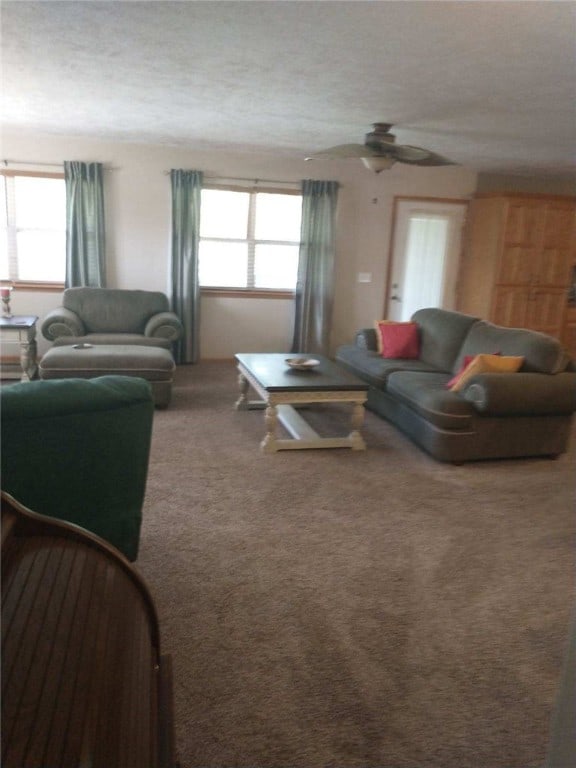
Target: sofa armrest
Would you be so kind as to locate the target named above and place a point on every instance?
(164, 325)
(531, 394)
(366, 339)
(62, 322)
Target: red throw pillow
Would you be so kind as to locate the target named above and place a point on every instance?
(399, 340)
(465, 363)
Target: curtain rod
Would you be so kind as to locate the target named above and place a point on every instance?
(27, 162)
(220, 179)
(47, 165)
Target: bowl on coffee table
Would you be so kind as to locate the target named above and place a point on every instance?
(302, 363)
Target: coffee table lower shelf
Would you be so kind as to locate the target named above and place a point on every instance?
(281, 407)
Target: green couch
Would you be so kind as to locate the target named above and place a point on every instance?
(78, 450)
(497, 415)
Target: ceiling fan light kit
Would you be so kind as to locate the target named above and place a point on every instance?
(380, 151)
(378, 164)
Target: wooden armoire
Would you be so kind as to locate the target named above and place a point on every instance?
(519, 261)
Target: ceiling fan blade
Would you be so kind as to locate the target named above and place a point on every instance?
(404, 153)
(419, 156)
(342, 151)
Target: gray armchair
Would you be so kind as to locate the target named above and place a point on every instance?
(112, 316)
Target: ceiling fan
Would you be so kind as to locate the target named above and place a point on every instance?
(380, 151)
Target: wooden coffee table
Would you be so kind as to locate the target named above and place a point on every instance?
(281, 388)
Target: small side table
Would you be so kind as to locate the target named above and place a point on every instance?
(20, 329)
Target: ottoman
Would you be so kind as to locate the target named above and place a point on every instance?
(84, 361)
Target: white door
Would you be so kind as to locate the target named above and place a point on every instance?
(425, 256)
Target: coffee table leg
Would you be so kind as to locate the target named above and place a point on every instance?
(268, 445)
(242, 402)
(356, 438)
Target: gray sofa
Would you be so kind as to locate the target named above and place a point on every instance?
(112, 316)
(497, 415)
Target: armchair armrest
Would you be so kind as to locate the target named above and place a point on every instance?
(164, 325)
(366, 339)
(522, 393)
(62, 322)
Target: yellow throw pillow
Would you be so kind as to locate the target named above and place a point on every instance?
(487, 364)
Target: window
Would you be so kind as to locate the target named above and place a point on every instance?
(33, 227)
(249, 239)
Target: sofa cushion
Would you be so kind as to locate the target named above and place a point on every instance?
(133, 339)
(105, 310)
(442, 334)
(541, 353)
(373, 368)
(426, 393)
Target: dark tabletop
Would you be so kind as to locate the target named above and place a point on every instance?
(18, 321)
(275, 375)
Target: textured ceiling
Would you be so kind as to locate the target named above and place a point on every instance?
(491, 85)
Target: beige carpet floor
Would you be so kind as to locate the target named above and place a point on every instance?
(339, 608)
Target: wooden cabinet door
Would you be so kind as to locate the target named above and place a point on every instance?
(510, 306)
(521, 243)
(528, 307)
(546, 310)
(569, 331)
(556, 254)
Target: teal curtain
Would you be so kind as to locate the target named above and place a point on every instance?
(185, 288)
(85, 228)
(315, 284)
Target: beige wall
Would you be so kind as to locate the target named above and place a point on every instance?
(138, 230)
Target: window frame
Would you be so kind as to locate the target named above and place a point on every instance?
(33, 285)
(250, 292)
